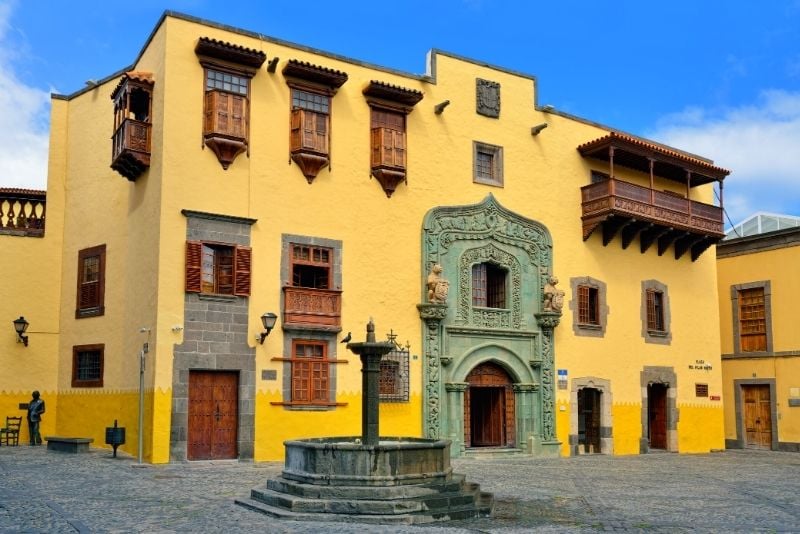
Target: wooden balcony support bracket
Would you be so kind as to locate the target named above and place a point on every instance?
(683, 244)
(651, 235)
(612, 226)
(668, 239)
(701, 246)
(630, 231)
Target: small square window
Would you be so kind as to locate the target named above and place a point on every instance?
(487, 164)
(87, 366)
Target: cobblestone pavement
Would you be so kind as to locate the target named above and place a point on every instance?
(733, 491)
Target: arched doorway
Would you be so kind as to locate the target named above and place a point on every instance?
(489, 411)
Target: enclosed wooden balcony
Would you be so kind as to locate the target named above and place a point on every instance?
(130, 144)
(655, 215)
(312, 308)
(22, 212)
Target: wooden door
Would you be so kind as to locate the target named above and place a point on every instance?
(757, 417)
(657, 415)
(213, 415)
(589, 419)
(489, 409)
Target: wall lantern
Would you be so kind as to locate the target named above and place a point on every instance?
(268, 320)
(20, 326)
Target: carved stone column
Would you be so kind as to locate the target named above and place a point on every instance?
(524, 394)
(548, 320)
(432, 315)
(455, 403)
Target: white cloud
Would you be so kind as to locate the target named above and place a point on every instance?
(24, 115)
(759, 143)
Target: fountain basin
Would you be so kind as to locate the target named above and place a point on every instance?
(394, 461)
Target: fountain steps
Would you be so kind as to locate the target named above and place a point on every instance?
(424, 503)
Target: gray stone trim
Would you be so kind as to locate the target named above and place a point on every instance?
(661, 338)
(218, 217)
(497, 162)
(735, 289)
(214, 339)
(668, 377)
(606, 415)
(738, 400)
(788, 446)
(784, 238)
(286, 386)
(589, 330)
(292, 333)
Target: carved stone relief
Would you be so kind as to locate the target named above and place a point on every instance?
(487, 96)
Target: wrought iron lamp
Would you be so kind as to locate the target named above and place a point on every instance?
(268, 320)
(20, 326)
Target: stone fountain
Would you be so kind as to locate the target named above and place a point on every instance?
(369, 479)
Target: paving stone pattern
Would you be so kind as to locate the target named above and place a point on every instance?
(733, 491)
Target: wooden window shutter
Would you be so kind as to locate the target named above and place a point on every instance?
(583, 304)
(242, 269)
(296, 138)
(194, 266)
(237, 116)
(376, 143)
(399, 147)
(209, 115)
(652, 323)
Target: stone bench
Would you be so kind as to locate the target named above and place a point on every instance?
(72, 445)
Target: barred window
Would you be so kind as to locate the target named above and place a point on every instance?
(489, 285)
(588, 305)
(393, 377)
(226, 82)
(87, 365)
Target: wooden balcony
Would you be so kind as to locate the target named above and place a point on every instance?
(22, 212)
(312, 308)
(131, 148)
(655, 216)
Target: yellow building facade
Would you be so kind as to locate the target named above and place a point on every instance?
(548, 281)
(758, 289)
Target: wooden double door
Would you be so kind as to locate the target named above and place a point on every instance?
(757, 416)
(657, 415)
(489, 411)
(213, 415)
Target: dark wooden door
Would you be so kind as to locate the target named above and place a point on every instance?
(757, 417)
(589, 419)
(213, 415)
(657, 415)
(489, 409)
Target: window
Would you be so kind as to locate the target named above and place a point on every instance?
(310, 115)
(598, 177)
(588, 305)
(752, 320)
(216, 268)
(489, 285)
(226, 105)
(311, 266)
(91, 282)
(309, 372)
(87, 366)
(393, 377)
(487, 164)
(655, 310)
(655, 313)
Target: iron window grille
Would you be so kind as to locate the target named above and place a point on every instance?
(393, 377)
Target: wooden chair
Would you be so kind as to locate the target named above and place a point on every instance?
(10, 433)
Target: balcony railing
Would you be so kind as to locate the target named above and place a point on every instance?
(656, 215)
(314, 308)
(131, 148)
(22, 212)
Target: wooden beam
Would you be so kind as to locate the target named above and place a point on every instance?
(649, 236)
(612, 226)
(702, 246)
(683, 244)
(630, 231)
(667, 239)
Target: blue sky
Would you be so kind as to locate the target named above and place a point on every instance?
(717, 78)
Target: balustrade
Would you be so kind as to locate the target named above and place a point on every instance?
(22, 212)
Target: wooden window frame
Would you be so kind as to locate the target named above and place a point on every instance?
(97, 307)
(241, 268)
(588, 305)
(763, 287)
(77, 350)
(496, 154)
(485, 287)
(226, 142)
(313, 249)
(295, 365)
(656, 314)
(752, 320)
